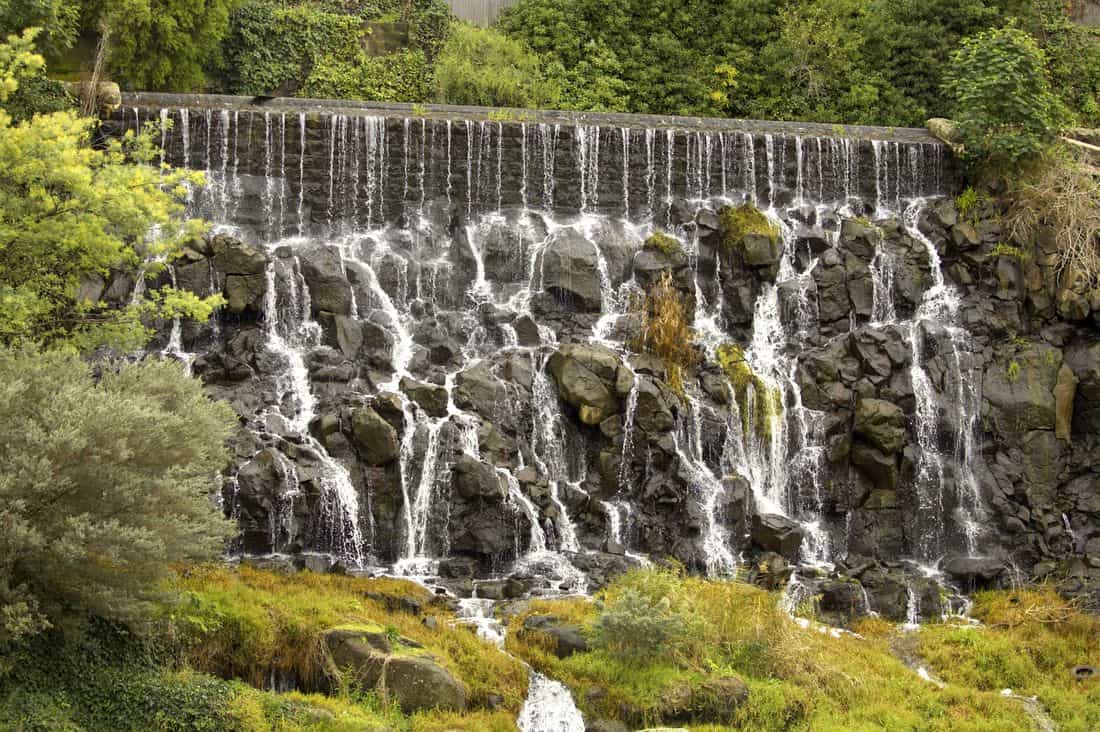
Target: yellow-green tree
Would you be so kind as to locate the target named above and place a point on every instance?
(71, 212)
(104, 482)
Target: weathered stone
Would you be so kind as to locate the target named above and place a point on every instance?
(586, 376)
(1064, 392)
(329, 289)
(880, 423)
(776, 533)
(569, 271)
(974, 572)
(761, 250)
(1020, 389)
(419, 684)
(232, 256)
(568, 638)
(878, 466)
(431, 398)
(244, 292)
(475, 479)
(374, 436)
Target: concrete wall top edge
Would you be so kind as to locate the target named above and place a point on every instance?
(516, 116)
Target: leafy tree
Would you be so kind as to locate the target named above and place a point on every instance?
(59, 21)
(1072, 54)
(70, 214)
(1004, 106)
(103, 483)
(479, 66)
(163, 44)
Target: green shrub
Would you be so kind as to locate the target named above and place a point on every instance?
(1004, 106)
(398, 77)
(38, 94)
(636, 627)
(276, 46)
(481, 67)
(104, 480)
(646, 616)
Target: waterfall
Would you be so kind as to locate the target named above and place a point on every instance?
(548, 445)
(940, 305)
(688, 443)
(549, 707)
(422, 211)
(290, 334)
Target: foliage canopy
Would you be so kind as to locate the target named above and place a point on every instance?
(72, 214)
(1004, 106)
(103, 483)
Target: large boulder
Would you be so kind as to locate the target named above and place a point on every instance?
(1019, 389)
(586, 377)
(881, 423)
(570, 271)
(652, 411)
(477, 479)
(431, 397)
(567, 638)
(329, 289)
(974, 572)
(1084, 360)
(232, 256)
(375, 437)
(418, 683)
(880, 467)
(775, 533)
(242, 268)
(367, 659)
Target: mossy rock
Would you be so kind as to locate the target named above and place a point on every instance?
(662, 242)
(747, 230)
(758, 401)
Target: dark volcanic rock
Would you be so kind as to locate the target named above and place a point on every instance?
(777, 534)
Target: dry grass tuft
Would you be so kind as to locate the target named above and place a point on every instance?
(666, 333)
(1061, 191)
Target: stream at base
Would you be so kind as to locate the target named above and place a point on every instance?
(549, 706)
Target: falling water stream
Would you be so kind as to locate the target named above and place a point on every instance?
(365, 186)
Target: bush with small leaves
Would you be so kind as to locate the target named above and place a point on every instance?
(1005, 108)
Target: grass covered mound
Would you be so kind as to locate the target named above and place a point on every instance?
(201, 665)
(1030, 642)
(249, 623)
(671, 649)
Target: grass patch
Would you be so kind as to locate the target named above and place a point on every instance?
(798, 679)
(1007, 250)
(248, 623)
(662, 242)
(666, 332)
(103, 678)
(737, 221)
(1029, 642)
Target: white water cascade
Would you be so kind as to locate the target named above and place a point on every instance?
(939, 469)
(290, 333)
(443, 224)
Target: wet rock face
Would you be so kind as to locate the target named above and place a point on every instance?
(467, 370)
